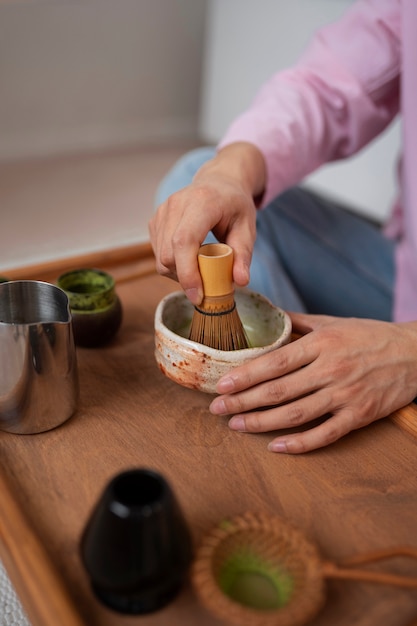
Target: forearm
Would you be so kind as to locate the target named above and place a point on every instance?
(332, 103)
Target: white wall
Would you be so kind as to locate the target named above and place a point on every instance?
(247, 41)
(76, 75)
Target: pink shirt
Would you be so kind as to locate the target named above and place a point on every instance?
(354, 78)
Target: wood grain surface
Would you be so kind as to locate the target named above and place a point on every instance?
(357, 495)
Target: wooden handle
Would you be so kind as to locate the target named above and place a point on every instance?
(215, 261)
(380, 555)
(330, 570)
(347, 570)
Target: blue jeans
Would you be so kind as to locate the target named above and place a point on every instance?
(311, 254)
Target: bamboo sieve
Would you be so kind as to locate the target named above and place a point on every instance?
(258, 570)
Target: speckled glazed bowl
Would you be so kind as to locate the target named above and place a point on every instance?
(199, 367)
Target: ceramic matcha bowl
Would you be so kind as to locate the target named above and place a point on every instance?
(197, 366)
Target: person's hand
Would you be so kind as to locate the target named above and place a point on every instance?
(352, 371)
(220, 199)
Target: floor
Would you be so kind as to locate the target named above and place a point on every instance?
(11, 610)
(62, 207)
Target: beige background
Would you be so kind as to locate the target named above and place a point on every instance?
(99, 97)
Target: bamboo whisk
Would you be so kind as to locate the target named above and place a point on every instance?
(216, 322)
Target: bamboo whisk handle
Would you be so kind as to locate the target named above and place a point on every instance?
(215, 261)
(216, 322)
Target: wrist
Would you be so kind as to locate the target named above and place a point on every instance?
(240, 162)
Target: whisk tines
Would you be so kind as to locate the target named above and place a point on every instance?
(222, 330)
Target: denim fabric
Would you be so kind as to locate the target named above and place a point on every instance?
(311, 254)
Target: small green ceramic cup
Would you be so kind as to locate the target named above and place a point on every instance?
(95, 306)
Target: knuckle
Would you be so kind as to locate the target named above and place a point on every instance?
(341, 368)
(295, 415)
(297, 445)
(205, 194)
(280, 360)
(165, 257)
(275, 392)
(332, 433)
(181, 238)
(233, 404)
(253, 423)
(171, 203)
(367, 412)
(330, 334)
(336, 369)
(238, 404)
(162, 269)
(359, 415)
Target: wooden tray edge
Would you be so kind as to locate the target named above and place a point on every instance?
(113, 257)
(29, 566)
(31, 569)
(406, 418)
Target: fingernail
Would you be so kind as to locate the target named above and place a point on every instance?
(237, 423)
(225, 385)
(278, 446)
(218, 407)
(194, 295)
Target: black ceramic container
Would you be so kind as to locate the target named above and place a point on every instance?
(136, 546)
(95, 306)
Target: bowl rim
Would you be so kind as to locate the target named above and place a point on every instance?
(228, 355)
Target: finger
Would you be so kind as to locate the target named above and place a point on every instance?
(282, 361)
(187, 238)
(270, 393)
(291, 415)
(177, 235)
(188, 272)
(159, 229)
(333, 429)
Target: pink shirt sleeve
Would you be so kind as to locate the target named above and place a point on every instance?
(340, 95)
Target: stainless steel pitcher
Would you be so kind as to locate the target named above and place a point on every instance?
(38, 365)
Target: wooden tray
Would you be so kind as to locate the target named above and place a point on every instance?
(356, 495)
